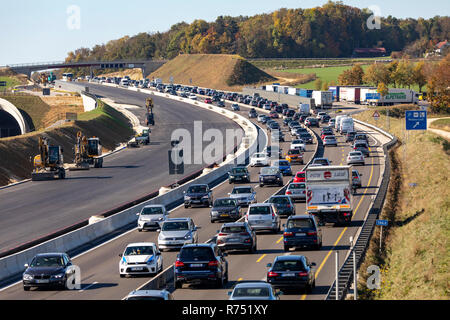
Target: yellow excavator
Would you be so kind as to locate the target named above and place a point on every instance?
(87, 152)
(49, 163)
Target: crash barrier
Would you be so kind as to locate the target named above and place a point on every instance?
(89, 101)
(83, 233)
(345, 274)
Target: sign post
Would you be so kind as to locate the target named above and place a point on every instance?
(376, 115)
(381, 223)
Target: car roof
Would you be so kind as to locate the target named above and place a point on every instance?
(147, 244)
(260, 205)
(300, 216)
(253, 284)
(234, 224)
(50, 254)
(177, 219)
(153, 205)
(199, 185)
(196, 245)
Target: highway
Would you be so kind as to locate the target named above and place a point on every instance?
(99, 267)
(34, 209)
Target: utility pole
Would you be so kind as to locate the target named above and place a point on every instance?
(355, 284)
(337, 274)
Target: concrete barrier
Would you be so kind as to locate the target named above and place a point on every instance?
(89, 103)
(12, 266)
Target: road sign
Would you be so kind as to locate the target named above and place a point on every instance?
(376, 115)
(416, 120)
(383, 223)
(2, 83)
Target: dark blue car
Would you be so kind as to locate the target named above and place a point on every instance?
(302, 231)
(284, 166)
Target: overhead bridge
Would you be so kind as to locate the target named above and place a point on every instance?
(147, 66)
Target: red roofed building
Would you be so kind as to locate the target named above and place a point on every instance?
(441, 47)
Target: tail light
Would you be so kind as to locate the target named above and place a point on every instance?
(288, 192)
(288, 205)
(272, 274)
(213, 263)
(288, 234)
(244, 234)
(303, 274)
(312, 233)
(179, 264)
(222, 234)
(273, 215)
(304, 191)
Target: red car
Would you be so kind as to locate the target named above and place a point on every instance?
(300, 177)
(273, 115)
(208, 100)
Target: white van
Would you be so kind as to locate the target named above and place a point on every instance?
(336, 124)
(124, 82)
(340, 122)
(346, 125)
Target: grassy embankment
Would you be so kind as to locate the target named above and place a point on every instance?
(287, 63)
(441, 124)
(416, 253)
(104, 122)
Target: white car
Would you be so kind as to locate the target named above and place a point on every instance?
(259, 159)
(140, 258)
(192, 97)
(176, 232)
(257, 290)
(298, 144)
(294, 130)
(151, 217)
(355, 157)
(149, 295)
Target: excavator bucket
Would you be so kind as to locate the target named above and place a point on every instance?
(41, 176)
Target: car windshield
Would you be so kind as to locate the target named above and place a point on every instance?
(269, 170)
(225, 203)
(294, 151)
(289, 265)
(241, 190)
(139, 251)
(259, 210)
(279, 200)
(239, 170)
(297, 186)
(259, 155)
(151, 210)
(197, 253)
(321, 161)
(300, 175)
(297, 142)
(353, 154)
(55, 261)
(300, 223)
(175, 226)
(283, 163)
(197, 189)
(233, 229)
(251, 292)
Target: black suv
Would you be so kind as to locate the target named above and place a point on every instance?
(199, 194)
(240, 174)
(225, 209)
(270, 176)
(236, 236)
(283, 205)
(302, 231)
(199, 263)
(252, 113)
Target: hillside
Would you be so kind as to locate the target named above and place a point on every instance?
(134, 74)
(220, 71)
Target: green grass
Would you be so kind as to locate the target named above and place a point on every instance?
(32, 108)
(441, 124)
(418, 247)
(296, 63)
(10, 82)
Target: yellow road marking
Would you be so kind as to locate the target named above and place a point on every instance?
(278, 241)
(240, 279)
(343, 231)
(261, 257)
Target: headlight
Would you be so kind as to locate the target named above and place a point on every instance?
(205, 197)
(214, 212)
(231, 176)
(27, 276)
(58, 276)
(188, 236)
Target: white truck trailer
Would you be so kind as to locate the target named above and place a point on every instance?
(323, 99)
(304, 108)
(395, 96)
(329, 194)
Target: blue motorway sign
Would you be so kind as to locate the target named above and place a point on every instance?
(383, 223)
(416, 120)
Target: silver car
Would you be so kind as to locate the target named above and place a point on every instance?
(330, 141)
(355, 157)
(257, 290)
(151, 217)
(149, 295)
(176, 232)
(297, 191)
(263, 216)
(245, 195)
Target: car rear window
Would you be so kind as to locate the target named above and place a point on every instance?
(259, 210)
(279, 200)
(293, 265)
(297, 186)
(233, 229)
(360, 145)
(300, 223)
(197, 189)
(300, 175)
(294, 151)
(197, 254)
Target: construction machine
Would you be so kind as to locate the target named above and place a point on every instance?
(87, 152)
(49, 163)
(150, 117)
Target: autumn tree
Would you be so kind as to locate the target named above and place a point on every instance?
(318, 84)
(419, 75)
(325, 86)
(439, 86)
(383, 90)
(376, 73)
(352, 77)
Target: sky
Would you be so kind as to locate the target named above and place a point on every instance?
(44, 31)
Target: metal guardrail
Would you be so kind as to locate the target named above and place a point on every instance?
(130, 61)
(345, 274)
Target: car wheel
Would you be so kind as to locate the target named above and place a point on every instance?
(178, 285)
(122, 275)
(226, 276)
(286, 248)
(26, 288)
(261, 185)
(140, 230)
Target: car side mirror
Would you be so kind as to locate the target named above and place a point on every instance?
(269, 265)
(158, 230)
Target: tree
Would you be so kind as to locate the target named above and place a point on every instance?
(377, 73)
(352, 77)
(419, 75)
(438, 86)
(404, 74)
(318, 84)
(325, 86)
(383, 90)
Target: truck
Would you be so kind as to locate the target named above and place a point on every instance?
(305, 93)
(304, 109)
(293, 91)
(329, 194)
(350, 94)
(395, 96)
(323, 99)
(335, 91)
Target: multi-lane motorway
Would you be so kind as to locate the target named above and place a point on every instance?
(34, 209)
(99, 266)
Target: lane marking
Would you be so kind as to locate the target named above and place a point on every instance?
(278, 241)
(260, 258)
(92, 284)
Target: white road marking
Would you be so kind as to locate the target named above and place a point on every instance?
(92, 284)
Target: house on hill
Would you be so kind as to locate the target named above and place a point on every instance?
(368, 52)
(442, 47)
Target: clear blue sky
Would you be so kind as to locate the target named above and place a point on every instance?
(36, 31)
